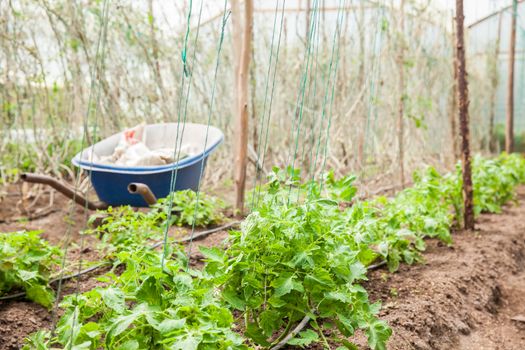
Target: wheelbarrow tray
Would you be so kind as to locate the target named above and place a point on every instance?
(111, 181)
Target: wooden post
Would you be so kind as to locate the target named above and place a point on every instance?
(241, 133)
(307, 30)
(401, 110)
(236, 46)
(494, 85)
(463, 100)
(454, 102)
(509, 127)
(361, 80)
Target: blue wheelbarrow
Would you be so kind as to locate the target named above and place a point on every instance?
(140, 186)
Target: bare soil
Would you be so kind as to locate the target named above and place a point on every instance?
(40, 208)
(468, 296)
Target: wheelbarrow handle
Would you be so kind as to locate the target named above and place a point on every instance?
(144, 191)
(65, 190)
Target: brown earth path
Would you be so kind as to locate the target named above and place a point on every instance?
(470, 296)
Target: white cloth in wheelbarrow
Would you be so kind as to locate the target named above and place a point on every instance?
(131, 150)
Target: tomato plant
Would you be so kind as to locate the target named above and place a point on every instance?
(291, 260)
(26, 263)
(124, 228)
(145, 307)
(190, 208)
(300, 255)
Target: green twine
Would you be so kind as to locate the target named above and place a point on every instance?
(338, 30)
(376, 74)
(101, 46)
(181, 112)
(261, 126)
(186, 36)
(265, 147)
(313, 104)
(225, 16)
(340, 18)
(325, 99)
(300, 97)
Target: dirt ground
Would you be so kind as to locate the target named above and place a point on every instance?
(468, 296)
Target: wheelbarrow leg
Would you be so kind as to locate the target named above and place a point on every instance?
(66, 191)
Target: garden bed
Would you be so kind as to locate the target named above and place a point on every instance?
(467, 296)
(451, 300)
(20, 318)
(462, 297)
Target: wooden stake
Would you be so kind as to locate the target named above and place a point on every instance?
(509, 127)
(401, 111)
(464, 118)
(307, 31)
(236, 46)
(361, 84)
(242, 107)
(494, 85)
(454, 103)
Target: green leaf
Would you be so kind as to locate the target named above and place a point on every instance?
(150, 292)
(82, 346)
(189, 342)
(69, 326)
(256, 334)
(284, 285)
(305, 338)
(345, 325)
(91, 330)
(213, 254)
(340, 296)
(358, 271)
(41, 295)
(27, 275)
(131, 344)
(269, 321)
(276, 302)
(231, 298)
(378, 333)
(169, 325)
(119, 325)
(114, 299)
(319, 276)
(349, 346)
